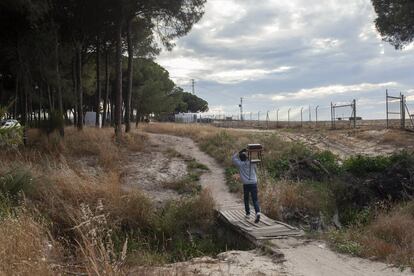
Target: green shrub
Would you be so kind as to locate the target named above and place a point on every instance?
(54, 122)
(341, 241)
(357, 217)
(329, 161)
(16, 181)
(298, 162)
(11, 137)
(362, 165)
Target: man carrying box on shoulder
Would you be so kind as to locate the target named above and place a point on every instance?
(248, 176)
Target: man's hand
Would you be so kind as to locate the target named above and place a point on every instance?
(236, 177)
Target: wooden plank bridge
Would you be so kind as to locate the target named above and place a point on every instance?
(266, 229)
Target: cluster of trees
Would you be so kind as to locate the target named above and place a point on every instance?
(395, 21)
(69, 56)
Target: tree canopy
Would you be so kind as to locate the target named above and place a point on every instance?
(67, 56)
(395, 21)
(187, 102)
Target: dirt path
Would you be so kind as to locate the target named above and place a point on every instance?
(214, 179)
(301, 257)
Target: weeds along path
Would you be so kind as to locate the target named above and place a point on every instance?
(213, 179)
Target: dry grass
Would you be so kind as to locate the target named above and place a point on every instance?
(193, 131)
(392, 137)
(26, 249)
(390, 237)
(284, 199)
(58, 190)
(86, 206)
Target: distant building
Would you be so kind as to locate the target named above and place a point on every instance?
(90, 118)
(186, 118)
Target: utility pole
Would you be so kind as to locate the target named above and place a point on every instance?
(241, 109)
(192, 85)
(267, 120)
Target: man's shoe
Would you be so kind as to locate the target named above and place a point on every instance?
(247, 216)
(257, 218)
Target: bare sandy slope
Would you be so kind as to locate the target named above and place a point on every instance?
(147, 171)
(300, 258)
(313, 258)
(342, 144)
(226, 263)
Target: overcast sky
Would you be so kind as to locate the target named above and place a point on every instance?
(290, 54)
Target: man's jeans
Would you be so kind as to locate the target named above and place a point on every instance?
(251, 189)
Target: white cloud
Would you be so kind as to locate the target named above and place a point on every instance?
(236, 76)
(308, 49)
(324, 91)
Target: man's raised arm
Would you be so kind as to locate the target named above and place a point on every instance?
(236, 160)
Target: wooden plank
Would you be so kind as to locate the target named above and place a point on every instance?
(265, 229)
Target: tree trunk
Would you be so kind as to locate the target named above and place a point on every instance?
(130, 74)
(105, 107)
(79, 91)
(112, 112)
(25, 118)
(49, 94)
(58, 83)
(16, 97)
(74, 85)
(118, 93)
(39, 114)
(30, 107)
(137, 120)
(98, 82)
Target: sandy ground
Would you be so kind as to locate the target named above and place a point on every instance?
(313, 258)
(149, 170)
(299, 258)
(345, 143)
(227, 263)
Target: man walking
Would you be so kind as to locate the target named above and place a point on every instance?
(248, 176)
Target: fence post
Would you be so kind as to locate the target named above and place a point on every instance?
(402, 111)
(316, 115)
(354, 109)
(289, 117)
(277, 118)
(301, 117)
(386, 105)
